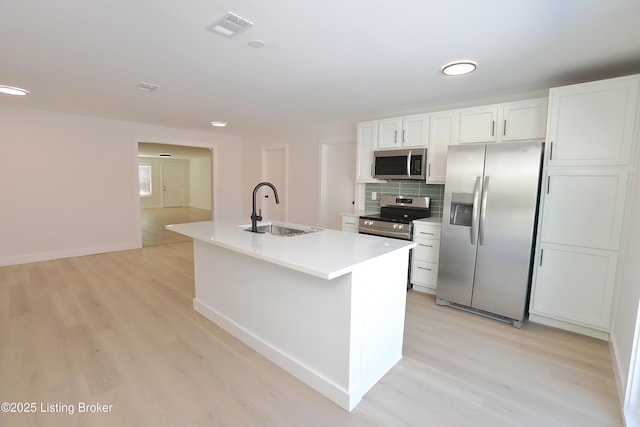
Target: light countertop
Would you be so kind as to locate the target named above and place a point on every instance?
(326, 254)
(430, 220)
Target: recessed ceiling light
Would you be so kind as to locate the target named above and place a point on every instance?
(219, 124)
(10, 90)
(459, 68)
(257, 44)
(229, 25)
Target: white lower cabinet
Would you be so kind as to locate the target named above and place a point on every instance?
(574, 288)
(350, 223)
(424, 265)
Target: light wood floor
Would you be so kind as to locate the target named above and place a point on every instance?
(153, 220)
(119, 329)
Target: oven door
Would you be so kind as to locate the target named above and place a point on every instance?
(385, 229)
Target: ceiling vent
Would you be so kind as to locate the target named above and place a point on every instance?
(230, 25)
(146, 87)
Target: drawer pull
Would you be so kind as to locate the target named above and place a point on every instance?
(424, 232)
(428, 246)
(424, 268)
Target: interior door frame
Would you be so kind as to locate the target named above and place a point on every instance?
(135, 184)
(321, 190)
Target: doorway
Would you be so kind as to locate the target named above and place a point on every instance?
(337, 182)
(179, 189)
(274, 170)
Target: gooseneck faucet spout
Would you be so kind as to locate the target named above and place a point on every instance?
(255, 216)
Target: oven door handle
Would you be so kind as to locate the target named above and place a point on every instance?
(384, 233)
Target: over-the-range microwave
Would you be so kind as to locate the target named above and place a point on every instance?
(400, 164)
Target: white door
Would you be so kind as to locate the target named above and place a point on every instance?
(337, 182)
(274, 170)
(172, 186)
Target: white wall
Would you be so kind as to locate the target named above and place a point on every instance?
(302, 203)
(628, 293)
(69, 183)
(200, 183)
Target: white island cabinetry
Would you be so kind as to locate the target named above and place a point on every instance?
(328, 307)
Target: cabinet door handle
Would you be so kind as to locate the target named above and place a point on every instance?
(403, 135)
(504, 129)
(424, 268)
(541, 253)
(550, 150)
(395, 136)
(426, 246)
(424, 232)
(493, 127)
(548, 184)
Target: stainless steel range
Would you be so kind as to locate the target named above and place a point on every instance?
(396, 217)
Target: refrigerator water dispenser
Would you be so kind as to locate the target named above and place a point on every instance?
(461, 209)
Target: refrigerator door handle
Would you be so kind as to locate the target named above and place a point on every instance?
(483, 210)
(474, 212)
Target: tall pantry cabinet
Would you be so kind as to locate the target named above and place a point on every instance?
(592, 136)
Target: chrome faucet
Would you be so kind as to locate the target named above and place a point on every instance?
(255, 217)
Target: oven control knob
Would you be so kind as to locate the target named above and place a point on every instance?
(400, 226)
(395, 226)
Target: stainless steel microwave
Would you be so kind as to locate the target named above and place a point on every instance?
(400, 164)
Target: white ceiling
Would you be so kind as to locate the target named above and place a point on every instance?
(323, 60)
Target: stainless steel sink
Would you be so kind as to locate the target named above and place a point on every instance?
(281, 230)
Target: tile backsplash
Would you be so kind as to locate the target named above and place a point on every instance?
(405, 188)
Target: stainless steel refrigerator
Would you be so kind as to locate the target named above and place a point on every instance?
(488, 228)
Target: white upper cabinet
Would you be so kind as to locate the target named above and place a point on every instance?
(389, 133)
(504, 122)
(403, 132)
(367, 139)
(478, 124)
(524, 120)
(438, 130)
(592, 123)
(443, 132)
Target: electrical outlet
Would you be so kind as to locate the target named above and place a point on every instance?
(374, 195)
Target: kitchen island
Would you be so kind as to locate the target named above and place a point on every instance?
(326, 306)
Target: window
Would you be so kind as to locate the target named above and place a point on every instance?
(144, 176)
